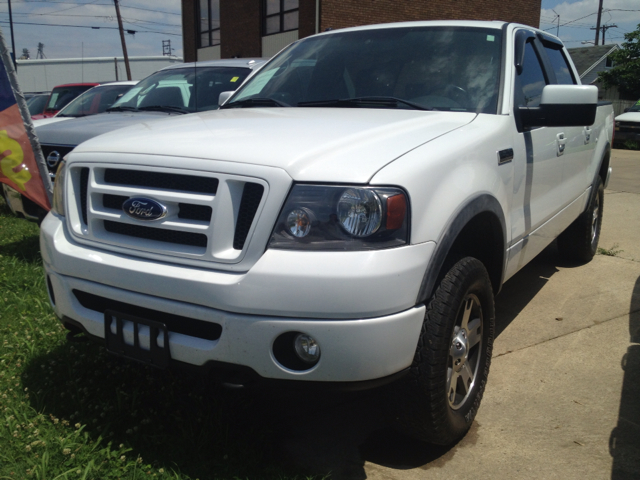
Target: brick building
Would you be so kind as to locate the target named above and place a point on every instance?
(214, 29)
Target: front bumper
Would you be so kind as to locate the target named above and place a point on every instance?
(359, 306)
(22, 206)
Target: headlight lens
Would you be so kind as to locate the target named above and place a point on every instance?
(58, 190)
(318, 217)
(359, 212)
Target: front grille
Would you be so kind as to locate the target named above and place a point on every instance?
(157, 234)
(629, 126)
(194, 212)
(62, 151)
(84, 185)
(203, 223)
(113, 202)
(186, 211)
(174, 323)
(159, 180)
(251, 197)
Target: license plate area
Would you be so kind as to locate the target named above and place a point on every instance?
(153, 352)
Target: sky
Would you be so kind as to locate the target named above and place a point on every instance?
(158, 20)
(578, 16)
(153, 21)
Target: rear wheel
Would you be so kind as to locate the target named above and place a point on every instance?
(439, 399)
(579, 242)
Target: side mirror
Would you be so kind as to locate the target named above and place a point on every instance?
(224, 96)
(562, 106)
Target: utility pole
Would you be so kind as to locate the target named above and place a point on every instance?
(124, 45)
(605, 28)
(598, 23)
(13, 43)
(558, 28)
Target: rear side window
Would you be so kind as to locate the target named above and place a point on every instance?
(560, 66)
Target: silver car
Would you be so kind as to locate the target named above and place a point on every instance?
(174, 90)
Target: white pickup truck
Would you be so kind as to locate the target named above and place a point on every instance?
(346, 217)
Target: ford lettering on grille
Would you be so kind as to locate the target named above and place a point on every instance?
(144, 209)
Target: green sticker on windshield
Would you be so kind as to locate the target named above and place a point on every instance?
(234, 79)
(491, 38)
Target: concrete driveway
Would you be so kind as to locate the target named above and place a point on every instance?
(563, 398)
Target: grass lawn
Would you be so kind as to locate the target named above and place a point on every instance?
(69, 410)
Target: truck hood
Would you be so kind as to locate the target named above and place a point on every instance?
(77, 130)
(310, 144)
(629, 117)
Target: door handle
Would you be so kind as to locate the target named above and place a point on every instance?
(562, 142)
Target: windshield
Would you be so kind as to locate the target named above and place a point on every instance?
(635, 108)
(61, 96)
(174, 89)
(37, 103)
(443, 68)
(93, 101)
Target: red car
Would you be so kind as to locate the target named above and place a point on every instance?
(61, 96)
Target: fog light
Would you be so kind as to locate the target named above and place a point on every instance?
(306, 348)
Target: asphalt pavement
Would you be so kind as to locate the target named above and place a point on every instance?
(563, 397)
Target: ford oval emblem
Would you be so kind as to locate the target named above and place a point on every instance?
(144, 209)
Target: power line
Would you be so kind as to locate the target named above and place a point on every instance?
(107, 17)
(572, 21)
(83, 26)
(101, 4)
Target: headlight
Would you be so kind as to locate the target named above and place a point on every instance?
(58, 190)
(318, 217)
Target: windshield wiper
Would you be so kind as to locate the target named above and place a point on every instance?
(367, 102)
(255, 102)
(164, 108)
(121, 108)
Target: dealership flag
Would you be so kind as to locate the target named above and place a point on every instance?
(22, 165)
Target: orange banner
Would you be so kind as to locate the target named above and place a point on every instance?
(18, 163)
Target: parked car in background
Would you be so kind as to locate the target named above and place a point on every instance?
(628, 126)
(37, 102)
(174, 90)
(91, 102)
(61, 96)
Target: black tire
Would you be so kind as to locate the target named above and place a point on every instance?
(424, 406)
(579, 242)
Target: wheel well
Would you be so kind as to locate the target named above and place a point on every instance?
(481, 238)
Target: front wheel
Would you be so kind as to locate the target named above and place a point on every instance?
(439, 399)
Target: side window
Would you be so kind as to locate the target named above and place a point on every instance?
(560, 66)
(531, 81)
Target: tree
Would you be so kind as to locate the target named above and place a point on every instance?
(625, 73)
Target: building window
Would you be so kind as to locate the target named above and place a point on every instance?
(280, 16)
(608, 62)
(209, 23)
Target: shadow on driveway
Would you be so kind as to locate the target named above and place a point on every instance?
(624, 443)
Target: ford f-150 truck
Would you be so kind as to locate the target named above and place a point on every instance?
(346, 217)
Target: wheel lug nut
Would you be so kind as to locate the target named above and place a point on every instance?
(458, 362)
(458, 345)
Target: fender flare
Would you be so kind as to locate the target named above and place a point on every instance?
(483, 203)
